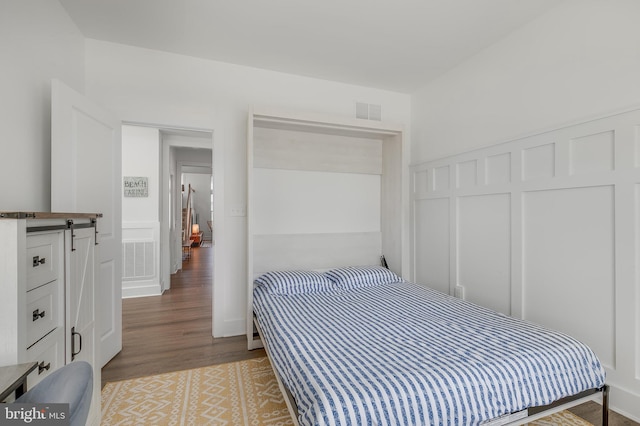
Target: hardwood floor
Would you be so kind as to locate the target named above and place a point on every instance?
(173, 332)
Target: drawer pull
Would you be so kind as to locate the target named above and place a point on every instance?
(37, 261)
(37, 314)
(74, 333)
(42, 367)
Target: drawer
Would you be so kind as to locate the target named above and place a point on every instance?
(43, 312)
(43, 258)
(48, 353)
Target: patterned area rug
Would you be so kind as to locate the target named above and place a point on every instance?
(563, 418)
(239, 393)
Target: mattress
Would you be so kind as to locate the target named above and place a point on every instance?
(403, 354)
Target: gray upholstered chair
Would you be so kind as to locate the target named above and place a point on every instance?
(72, 384)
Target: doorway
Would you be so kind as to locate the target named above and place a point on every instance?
(197, 206)
(157, 158)
(152, 226)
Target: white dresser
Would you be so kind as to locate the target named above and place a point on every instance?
(47, 287)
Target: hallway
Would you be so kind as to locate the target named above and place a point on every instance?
(173, 331)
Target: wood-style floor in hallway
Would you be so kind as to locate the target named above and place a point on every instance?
(173, 332)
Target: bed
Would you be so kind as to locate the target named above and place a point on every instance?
(358, 345)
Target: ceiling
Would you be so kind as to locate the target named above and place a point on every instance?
(395, 45)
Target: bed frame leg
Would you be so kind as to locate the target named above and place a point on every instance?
(605, 405)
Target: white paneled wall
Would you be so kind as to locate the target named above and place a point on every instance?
(568, 267)
(544, 228)
(140, 259)
(485, 274)
(432, 242)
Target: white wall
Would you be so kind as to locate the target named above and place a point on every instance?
(578, 60)
(544, 228)
(140, 215)
(154, 87)
(141, 157)
(38, 42)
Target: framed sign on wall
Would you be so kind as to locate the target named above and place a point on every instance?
(136, 186)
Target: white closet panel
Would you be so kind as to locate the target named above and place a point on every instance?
(280, 148)
(315, 251)
(306, 202)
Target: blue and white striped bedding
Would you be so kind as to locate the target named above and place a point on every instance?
(402, 354)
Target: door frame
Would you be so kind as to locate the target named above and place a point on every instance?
(218, 249)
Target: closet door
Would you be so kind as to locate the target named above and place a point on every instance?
(86, 177)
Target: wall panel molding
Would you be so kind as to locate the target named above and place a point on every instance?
(140, 259)
(484, 250)
(568, 264)
(545, 228)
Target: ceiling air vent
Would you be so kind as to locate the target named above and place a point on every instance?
(368, 111)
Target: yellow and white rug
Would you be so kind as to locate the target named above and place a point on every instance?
(240, 393)
(563, 418)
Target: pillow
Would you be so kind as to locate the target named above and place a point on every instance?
(294, 282)
(350, 277)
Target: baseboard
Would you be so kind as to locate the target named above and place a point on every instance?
(235, 327)
(625, 402)
(141, 290)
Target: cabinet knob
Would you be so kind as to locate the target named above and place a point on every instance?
(38, 261)
(37, 314)
(42, 367)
